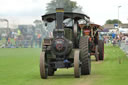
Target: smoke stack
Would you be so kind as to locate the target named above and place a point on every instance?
(59, 18)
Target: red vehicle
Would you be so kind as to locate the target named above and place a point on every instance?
(96, 44)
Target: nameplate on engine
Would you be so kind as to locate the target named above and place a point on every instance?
(47, 42)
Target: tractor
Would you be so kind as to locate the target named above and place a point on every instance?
(68, 47)
(96, 41)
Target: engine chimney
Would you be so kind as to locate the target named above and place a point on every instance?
(59, 18)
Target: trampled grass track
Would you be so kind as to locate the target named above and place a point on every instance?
(20, 66)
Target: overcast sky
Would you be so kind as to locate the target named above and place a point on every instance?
(25, 11)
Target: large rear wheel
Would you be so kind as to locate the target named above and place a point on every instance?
(43, 67)
(77, 68)
(101, 49)
(84, 55)
(96, 53)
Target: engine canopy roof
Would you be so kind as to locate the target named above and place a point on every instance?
(76, 16)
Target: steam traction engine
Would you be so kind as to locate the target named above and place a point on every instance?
(67, 48)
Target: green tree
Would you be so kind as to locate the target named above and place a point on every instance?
(114, 21)
(38, 23)
(68, 5)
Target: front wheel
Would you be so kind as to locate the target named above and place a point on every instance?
(96, 53)
(101, 49)
(77, 68)
(43, 67)
(84, 55)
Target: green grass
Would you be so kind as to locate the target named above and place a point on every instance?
(111, 71)
(20, 66)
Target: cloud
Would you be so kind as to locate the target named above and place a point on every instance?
(101, 10)
(26, 12)
(22, 11)
(98, 10)
(22, 7)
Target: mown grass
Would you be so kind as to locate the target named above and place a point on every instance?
(20, 66)
(114, 69)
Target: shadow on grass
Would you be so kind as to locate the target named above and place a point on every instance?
(57, 75)
(61, 76)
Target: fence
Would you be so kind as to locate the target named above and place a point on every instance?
(21, 44)
(124, 46)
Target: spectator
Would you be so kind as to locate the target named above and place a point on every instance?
(9, 43)
(113, 35)
(0, 37)
(126, 41)
(106, 39)
(17, 42)
(40, 40)
(19, 32)
(7, 40)
(36, 40)
(32, 39)
(114, 42)
(13, 34)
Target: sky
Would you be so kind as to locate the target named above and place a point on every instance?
(26, 11)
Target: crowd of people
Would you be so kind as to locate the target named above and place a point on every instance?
(18, 40)
(115, 39)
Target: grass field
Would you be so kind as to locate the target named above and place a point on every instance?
(20, 66)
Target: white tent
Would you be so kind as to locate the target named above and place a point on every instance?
(123, 30)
